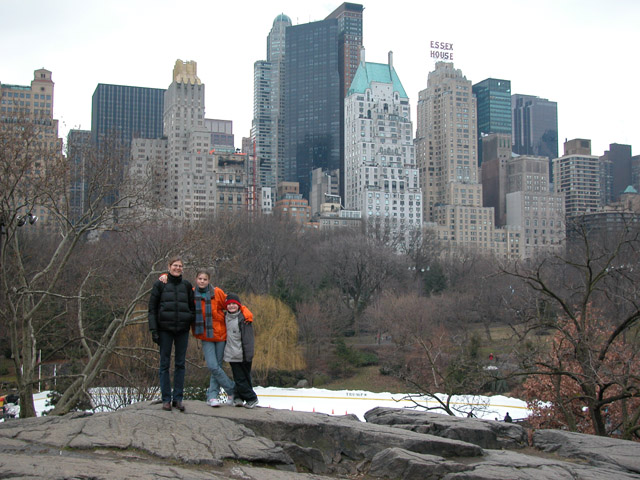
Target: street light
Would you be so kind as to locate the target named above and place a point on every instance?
(30, 217)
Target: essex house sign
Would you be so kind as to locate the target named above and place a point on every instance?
(441, 50)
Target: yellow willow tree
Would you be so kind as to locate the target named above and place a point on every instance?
(276, 333)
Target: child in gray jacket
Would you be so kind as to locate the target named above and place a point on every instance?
(239, 351)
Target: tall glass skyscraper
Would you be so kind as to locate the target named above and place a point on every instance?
(268, 113)
(493, 97)
(126, 112)
(312, 101)
(535, 127)
(320, 61)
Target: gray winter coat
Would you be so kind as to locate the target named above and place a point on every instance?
(240, 339)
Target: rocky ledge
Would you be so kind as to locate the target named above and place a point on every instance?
(144, 442)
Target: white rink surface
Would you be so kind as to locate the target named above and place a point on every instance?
(358, 402)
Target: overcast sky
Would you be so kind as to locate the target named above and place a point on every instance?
(582, 54)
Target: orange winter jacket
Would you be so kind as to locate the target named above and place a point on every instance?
(218, 307)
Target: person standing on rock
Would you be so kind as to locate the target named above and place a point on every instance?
(211, 329)
(239, 351)
(171, 313)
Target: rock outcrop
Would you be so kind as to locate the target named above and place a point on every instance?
(144, 442)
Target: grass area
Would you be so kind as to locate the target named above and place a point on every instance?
(369, 379)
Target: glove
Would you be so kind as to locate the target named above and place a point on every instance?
(155, 336)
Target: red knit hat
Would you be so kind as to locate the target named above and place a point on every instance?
(233, 298)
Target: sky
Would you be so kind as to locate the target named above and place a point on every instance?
(580, 53)
(356, 402)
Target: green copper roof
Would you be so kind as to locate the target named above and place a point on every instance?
(375, 72)
(630, 189)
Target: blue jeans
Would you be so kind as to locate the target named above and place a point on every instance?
(167, 340)
(213, 355)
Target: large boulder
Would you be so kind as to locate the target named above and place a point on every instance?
(399, 463)
(144, 442)
(511, 465)
(484, 433)
(596, 450)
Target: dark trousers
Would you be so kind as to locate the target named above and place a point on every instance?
(167, 340)
(242, 377)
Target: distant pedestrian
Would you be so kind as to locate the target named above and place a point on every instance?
(239, 351)
(507, 418)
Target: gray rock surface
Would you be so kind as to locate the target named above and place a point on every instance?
(484, 433)
(144, 442)
(510, 465)
(399, 463)
(595, 450)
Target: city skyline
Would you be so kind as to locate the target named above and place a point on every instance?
(137, 43)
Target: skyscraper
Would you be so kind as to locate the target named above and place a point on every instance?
(349, 17)
(126, 112)
(381, 178)
(535, 127)
(447, 141)
(446, 151)
(497, 152)
(190, 178)
(268, 113)
(616, 172)
(319, 63)
(493, 99)
(312, 101)
(577, 177)
(78, 146)
(537, 212)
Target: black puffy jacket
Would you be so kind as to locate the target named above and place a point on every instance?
(171, 305)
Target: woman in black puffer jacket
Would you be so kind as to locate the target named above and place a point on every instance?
(171, 313)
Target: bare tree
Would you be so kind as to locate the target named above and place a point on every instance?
(35, 180)
(592, 311)
(360, 268)
(433, 354)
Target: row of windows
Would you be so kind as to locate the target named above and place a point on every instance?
(36, 96)
(24, 103)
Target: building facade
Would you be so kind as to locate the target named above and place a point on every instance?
(267, 129)
(78, 145)
(381, 176)
(497, 152)
(323, 185)
(616, 172)
(446, 149)
(291, 204)
(190, 176)
(493, 100)
(319, 63)
(577, 178)
(530, 205)
(29, 108)
(535, 127)
(124, 112)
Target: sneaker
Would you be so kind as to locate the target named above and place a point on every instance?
(237, 402)
(213, 402)
(251, 403)
(230, 401)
